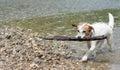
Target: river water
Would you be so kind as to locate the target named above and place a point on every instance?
(17, 9)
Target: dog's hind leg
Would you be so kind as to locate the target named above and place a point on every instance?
(98, 45)
(109, 43)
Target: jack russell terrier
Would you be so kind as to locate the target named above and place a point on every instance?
(96, 29)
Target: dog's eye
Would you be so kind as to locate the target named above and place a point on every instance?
(84, 31)
(78, 31)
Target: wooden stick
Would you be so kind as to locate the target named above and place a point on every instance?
(66, 38)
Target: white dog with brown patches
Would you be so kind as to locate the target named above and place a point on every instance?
(96, 29)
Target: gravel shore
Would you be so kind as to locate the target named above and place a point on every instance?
(22, 49)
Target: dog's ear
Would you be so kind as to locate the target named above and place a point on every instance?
(74, 25)
(91, 28)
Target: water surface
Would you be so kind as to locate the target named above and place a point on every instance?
(16, 9)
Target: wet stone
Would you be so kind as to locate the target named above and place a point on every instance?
(16, 58)
(18, 49)
(8, 36)
(2, 45)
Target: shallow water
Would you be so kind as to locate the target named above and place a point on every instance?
(16, 9)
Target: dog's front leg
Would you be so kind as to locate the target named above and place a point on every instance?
(89, 52)
(88, 44)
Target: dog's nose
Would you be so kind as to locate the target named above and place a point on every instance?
(79, 37)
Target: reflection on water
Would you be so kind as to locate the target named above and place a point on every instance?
(14, 9)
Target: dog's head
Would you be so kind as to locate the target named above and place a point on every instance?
(84, 30)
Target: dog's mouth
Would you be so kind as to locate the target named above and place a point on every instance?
(83, 37)
(79, 37)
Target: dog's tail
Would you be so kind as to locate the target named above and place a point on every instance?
(111, 20)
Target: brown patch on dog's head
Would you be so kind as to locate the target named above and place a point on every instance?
(87, 30)
(84, 30)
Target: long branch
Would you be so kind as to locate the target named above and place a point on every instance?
(67, 38)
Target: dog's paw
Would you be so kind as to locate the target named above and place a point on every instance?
(84, 59)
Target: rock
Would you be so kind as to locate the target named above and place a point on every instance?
(2, 45)
(8, 36)
(18, 49)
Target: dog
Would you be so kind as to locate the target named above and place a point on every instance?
(96, 29)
